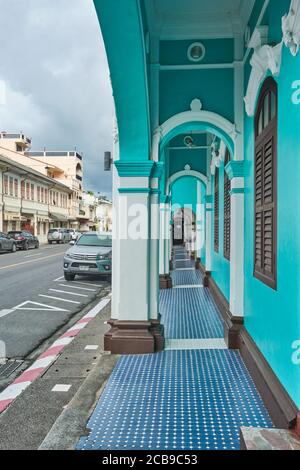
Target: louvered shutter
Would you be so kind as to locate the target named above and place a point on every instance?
(216, 211)
(265, 187)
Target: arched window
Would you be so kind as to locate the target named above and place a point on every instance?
(265, 183)
(216, 211)
(227, 208)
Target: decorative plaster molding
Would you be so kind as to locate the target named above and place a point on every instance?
(196, 114)
(259, 37)
(264, 58)
(115, 131)
(181, 174)
(134, 168)
(196, 105)
(291, 28)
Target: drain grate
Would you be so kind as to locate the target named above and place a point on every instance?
(9, 368)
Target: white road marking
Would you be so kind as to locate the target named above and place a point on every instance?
(28, 261)
(58, 279)
(58, 298)
(192, 286)
(88, 284)
(38, 306)
(3, 313)
(31, 256)
(66, 292)
(61, 388)
(91, 347)
(75, 287)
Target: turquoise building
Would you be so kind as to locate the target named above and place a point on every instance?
(207, 101)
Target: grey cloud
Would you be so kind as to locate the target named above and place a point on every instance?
(58, 90)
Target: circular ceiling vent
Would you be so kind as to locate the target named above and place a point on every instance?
(196, 52)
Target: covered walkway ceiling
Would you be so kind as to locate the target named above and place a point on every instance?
(175, 19)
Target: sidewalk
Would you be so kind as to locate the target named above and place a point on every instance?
(196, 394)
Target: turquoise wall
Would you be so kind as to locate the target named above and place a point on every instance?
(273, 317)
(216, 50)
(184, 192)
(195, 158)
(220, 265)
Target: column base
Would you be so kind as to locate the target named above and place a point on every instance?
(165, 281)
(134, 337)
(193, 255)
(171, 265)
(197, 264)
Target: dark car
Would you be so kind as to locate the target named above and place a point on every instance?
(24, 239)
(7, 243)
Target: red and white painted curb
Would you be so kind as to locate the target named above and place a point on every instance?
(47, 358)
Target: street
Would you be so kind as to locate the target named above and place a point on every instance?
(36, 301)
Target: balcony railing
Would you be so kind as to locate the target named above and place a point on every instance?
(15, 136)
(52, 154)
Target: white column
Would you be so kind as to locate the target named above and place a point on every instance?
(162, 240)
(154, 255)
(167, 239)
(133, 259)
(115, 248)
(237, 247)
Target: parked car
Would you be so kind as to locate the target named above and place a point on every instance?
(58, 235)
(74, 233)
(24, 240)
(90, 254)
(7, 243)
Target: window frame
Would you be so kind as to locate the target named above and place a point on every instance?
(261, 140)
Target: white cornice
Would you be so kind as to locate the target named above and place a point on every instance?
(264, 58)
(291, 28)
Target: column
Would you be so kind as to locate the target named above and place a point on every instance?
(165, 281)
(235, 171)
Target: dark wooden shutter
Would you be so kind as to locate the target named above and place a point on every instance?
(216, 211)
(265, 219)
(227, 209)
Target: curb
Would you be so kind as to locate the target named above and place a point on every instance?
(71, 425)
(47, 358)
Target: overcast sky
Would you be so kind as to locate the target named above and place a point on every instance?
(57, 87)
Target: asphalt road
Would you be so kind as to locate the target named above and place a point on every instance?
(35, 300)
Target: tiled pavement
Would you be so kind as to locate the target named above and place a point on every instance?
(194, 395)
(176, 400)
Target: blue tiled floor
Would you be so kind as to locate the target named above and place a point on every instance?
(176, 400)
(189, 314)
(194, 399)
(181, 278)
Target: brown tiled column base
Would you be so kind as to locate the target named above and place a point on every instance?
(197, 264)
(134, 337)
(165, 281)
(171, 265)
(193, 254)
